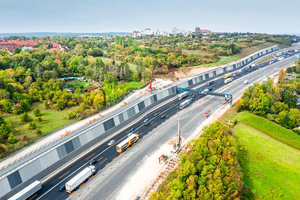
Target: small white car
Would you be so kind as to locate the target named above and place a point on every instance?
(111, 142)
(245, 82)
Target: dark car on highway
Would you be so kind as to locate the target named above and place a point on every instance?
(93, 162)
(147, 123)
(155, 114)
(62, 188)
(146, 120)
(163, 116)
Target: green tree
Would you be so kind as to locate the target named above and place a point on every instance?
(110, 78)
(17, 50)
(135, 76)
(61, 105)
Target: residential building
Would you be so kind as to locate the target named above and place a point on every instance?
(197, 30)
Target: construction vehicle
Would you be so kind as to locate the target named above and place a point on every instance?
(206, 115)
(124, 104)
(75, 182)
(162, 158)
(133, 138)
(225, 101)
(150, 89)
(28, 191)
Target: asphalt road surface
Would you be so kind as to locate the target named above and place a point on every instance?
(105, 154)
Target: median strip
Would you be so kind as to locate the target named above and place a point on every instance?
(63, 175)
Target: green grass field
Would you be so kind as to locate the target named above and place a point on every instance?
(108, 60)
(272, 129)
(223, 61)
(271, 169)
(54, 120)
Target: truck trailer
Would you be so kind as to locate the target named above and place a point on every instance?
(182, 95)
(228, 80)
(28, 191)
(185, 104)
(75, 182)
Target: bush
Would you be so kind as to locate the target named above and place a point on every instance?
(71, 115)
(36, 112)
(31, 125)
(38, 131)
(25, 138)
(11, 138)
(24, 117)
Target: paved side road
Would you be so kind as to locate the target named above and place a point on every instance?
(109, 183)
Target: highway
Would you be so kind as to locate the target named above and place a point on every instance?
(105, 154)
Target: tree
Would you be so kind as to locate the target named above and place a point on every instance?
(90, 52)
(110, 78)
(135, 76)
(17, 50)
(38, 131)
(4, 94)
(290, 99)
(61, 105)
(4, 130)
(54, 74)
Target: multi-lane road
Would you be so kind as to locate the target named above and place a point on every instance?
(105, 154)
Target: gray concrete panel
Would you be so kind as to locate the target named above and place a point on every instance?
(147, 102)
(61, 151)
(136, 109)
(131, 112)
(154, 98)
(206, 76)
(141, 105)
(121, 117)
(125, 115)
(159, 96)
(101, 129)
(30, 170)
(96, 132)
(109, 124)
(14, 179)
(5, 187)
(48, 159)
(116, 120)
(83, 139)
(89, 135)
(69, 146)
(190, 82)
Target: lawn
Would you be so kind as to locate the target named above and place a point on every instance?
(77, 84)
(272, 129)
(53, 121)
(271, 169)
(108, 60)
(222, 61)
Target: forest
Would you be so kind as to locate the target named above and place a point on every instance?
(209, 169)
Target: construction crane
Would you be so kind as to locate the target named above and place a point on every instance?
(206, 115)
(150, 89)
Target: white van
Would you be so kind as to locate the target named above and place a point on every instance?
(245, 82)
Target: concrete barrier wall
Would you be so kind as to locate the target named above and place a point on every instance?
(62, 149)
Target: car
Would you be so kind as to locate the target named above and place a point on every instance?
(111, 142)
(209, 88)
(93, 162)
(155, 114)
(132, 129)
(192, 99)
(193, 96)
(62, 188)
(220, 83)
(147, 123)
(146, 120)
(163, 116)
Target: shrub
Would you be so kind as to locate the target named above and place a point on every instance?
(71, 115)
(24, 117)
(36, 112)
(11, 138)
(38, 131)
(25, 138)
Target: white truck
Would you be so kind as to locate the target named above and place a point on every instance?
(253, 65)
(278, 54)
(228, 80)
(75, 182)
(28, 191)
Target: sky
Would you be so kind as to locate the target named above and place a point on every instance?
(97, 16)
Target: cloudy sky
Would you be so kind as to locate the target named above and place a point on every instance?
(95, 16)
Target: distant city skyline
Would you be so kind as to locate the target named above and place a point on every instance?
(90, 16)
